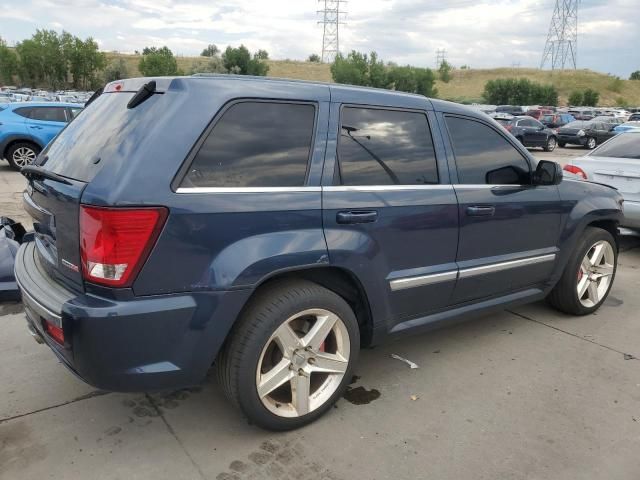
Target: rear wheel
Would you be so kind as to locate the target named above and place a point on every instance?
(591, 143)
(22, 154)
(290, 356)
(589, 274)
(551, 144)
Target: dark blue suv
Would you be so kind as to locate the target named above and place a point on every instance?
(272, 228)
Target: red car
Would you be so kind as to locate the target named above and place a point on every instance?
(540, 112)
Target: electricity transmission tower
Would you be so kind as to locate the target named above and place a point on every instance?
(441, 56)
(332, 17)
(561, 49)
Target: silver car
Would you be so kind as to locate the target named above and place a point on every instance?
(616, 163)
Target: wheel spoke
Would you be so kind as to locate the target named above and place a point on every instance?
(319, 331)
(287, 339)
(274, 378)
(596, 256)
(604, 270)
(593, 292)
(300, 386)
(329, 363)
(583, 284)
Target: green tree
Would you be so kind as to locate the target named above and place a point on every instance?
(576, 98)
(8, 63)
(444, 71)
(238, 60)
(635, 75)
(116, 70)
(211, 51)
(314, 57)
(42, 60)
(213, 65)
(519, 92)
(157, 62)
(360, 69)
(590, 98)
(261, 55)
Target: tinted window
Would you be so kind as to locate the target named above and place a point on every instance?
(23, 112)
(385, 147)
(256, 144)
(626, 145)
(576, 124)
(527, 122)
(49, 114)
(483, 155)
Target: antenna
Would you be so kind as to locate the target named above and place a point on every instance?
(332, 17)
(561, 48)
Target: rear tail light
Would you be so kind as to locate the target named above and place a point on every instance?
(54, 332)
(575, 170)
(113, 87)
(115, 242)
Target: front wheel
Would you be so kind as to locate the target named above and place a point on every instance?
(291, 355)
(551, 144)
(588, 276)
(591, 143)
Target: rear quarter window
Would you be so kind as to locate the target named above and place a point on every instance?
(255, 144)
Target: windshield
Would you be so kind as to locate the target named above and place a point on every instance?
(625, 145)
(576, 124)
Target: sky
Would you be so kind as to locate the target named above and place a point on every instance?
(480, 33)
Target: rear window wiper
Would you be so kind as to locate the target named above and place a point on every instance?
(33, 172)
(145, 91)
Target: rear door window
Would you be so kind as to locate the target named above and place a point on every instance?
(23, 111)
(256, 144)
(385, 147)
(48, 114)
(483, 155)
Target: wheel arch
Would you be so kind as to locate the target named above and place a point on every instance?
(10, 142)
(340, 281)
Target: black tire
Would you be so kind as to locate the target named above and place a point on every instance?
(564, 296)
(591, 143)
(238, 361)
(15, 151)
(551, 144)
(562, 144)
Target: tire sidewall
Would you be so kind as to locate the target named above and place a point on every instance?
(15, 147)
(248, 398)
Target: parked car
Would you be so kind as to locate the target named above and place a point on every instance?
(530, 132)
(616, 163)
(26, 128)
(609, 119)
(586, 134)
(538, 113)
(582, 114)
(510, 109)
(556, 120)
(626, 127)
(634, 117)
(275, 227)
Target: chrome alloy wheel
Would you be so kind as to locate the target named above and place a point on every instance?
(303, 363)
(23, 156)
(595, 274)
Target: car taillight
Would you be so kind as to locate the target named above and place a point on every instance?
(115, 242)
(54, 332)
(575, 170)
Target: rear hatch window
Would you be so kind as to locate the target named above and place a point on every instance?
(85, 144)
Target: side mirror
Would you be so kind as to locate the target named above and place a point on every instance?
(547, 173)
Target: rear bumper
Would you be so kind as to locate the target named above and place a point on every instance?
(145, 344)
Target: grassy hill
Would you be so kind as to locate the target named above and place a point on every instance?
(466, 85)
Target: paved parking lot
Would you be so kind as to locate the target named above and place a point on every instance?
(524, 394)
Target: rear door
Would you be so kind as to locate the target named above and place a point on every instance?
(509, 229)
(390, 214)
(44, 123)
(533, 135)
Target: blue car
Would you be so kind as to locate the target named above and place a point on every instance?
(27, 127)
(272, 228)
(631, 126)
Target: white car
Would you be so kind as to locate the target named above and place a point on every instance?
(616, 163)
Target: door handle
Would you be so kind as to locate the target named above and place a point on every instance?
(357, 216)
(481, 211)
(35, 126)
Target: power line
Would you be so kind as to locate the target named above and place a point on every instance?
(332, 17)
(561, 48)
(441, 57)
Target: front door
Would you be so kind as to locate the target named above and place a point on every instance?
(44, 123)
(390, 215)
(509, 229)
